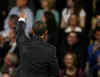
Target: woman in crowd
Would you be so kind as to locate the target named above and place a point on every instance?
(73, 24)
(50, 21)
(47, 5)
(71, 70)
(73, 6)
(73, 44)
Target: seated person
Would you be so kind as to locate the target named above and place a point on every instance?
(19, 9)
(73, 6)
(71, 69)
(94, 49)
(10, 63)
(72, 44)
(73, 24)
(47, 5)
(12, 22)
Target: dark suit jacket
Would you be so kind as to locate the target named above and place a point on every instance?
(37, 58)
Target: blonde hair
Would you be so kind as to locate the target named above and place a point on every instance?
(75, 62)
(51, 3)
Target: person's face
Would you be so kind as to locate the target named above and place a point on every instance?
(44, 4)
(97, 35)
(21, 3)
(68, 60)
(98, 20)
(73, 20)
(72, 39)
(70, 3)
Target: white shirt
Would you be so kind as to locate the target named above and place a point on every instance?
(66, 14)
(77, 29)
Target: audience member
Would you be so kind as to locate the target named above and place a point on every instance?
(72, 44)
(71, 69)
(50, 21)
(73, 6)
(73, 24)
(94, 49)
(96, 21)
(47, 5)
(10, 63)
(12, 21)
(21, 9)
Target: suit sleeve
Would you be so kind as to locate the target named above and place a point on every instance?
(53, 70)
(20, 31)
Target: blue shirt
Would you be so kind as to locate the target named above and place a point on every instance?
(17, 11)
(40, 13)
(92, 57)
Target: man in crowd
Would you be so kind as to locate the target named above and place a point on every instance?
(32, 62)
(94, 50)
(21, 7)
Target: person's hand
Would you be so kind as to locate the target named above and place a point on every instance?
(23, 15)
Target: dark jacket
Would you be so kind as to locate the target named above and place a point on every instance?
(37, 58)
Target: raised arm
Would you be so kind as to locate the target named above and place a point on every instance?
(20, 30)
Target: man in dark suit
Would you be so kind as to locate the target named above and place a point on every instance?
(37, 58)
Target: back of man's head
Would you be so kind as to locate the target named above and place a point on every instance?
(39, 28)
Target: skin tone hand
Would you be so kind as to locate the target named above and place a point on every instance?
(23, 15)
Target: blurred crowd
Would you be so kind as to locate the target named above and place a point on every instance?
(78, 50)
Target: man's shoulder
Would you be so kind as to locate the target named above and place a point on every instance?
(50, 46)
(38, 43)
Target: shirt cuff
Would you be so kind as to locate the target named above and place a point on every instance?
(21, 19)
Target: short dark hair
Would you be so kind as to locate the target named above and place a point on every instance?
(39, 28)
(14, 18)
